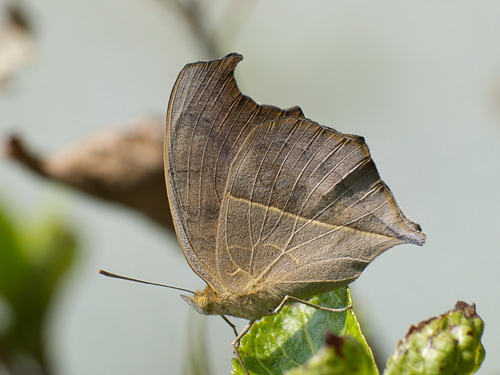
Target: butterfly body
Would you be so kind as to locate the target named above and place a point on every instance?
(247, 306)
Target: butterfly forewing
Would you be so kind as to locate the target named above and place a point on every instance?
(208, 120)
(304, 211)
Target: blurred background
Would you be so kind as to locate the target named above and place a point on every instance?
(419, 80)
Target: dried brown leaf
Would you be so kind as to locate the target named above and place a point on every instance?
(115, 165)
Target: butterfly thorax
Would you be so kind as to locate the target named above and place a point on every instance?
(250, 306)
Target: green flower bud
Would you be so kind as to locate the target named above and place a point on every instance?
(448, 344)
(341, 355)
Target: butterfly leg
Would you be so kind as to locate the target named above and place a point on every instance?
(230, 324)
(236, 344)
(280, 306)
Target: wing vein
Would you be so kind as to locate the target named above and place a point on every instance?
(266, 215)
(228, 132)
(194, 128)
(337, 148)
(341, 226)
(253, 189)
(331, 204)
(281, 215)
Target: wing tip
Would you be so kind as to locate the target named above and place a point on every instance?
(415, 237)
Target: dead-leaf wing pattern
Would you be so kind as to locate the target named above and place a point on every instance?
(304, 211)
(207, 121)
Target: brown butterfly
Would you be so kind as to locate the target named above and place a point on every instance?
(269, 207)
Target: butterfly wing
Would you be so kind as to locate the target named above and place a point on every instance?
(208, 119)
(304, 211)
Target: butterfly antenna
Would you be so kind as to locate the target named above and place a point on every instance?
(115, 276)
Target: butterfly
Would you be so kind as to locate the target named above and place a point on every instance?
(269, 207)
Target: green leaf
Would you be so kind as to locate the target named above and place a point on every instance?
(449, 344)
(289, 339)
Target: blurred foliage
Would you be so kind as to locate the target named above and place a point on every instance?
(196, 360)
(33, 259)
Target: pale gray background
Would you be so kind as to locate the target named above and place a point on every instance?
(419, 80)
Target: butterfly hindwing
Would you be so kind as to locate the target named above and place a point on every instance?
(304, 211)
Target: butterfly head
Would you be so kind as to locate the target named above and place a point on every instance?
(204, 302)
